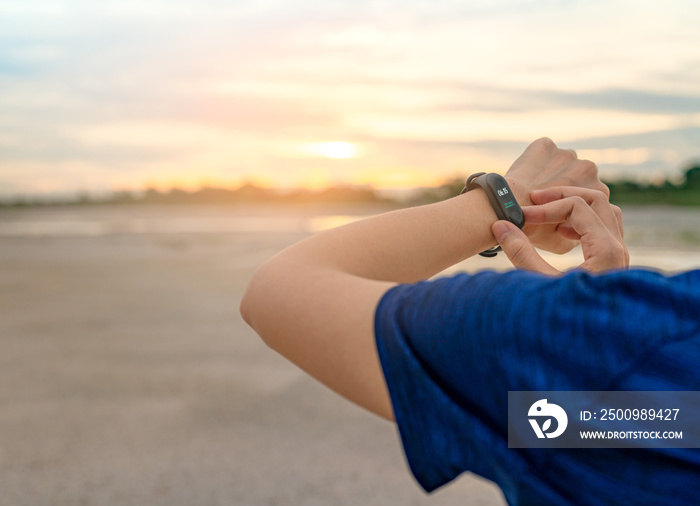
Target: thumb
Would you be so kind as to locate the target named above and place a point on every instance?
(519, 249)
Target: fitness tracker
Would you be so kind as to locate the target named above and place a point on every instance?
(501, 198)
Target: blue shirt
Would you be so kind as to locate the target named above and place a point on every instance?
(452, 348)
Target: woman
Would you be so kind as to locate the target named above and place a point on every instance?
(352, 308)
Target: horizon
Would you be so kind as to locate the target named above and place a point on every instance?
(402, 194)
(126, 95)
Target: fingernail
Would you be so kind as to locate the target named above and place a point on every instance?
(500, 230)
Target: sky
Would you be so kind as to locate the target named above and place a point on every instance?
(114, 95)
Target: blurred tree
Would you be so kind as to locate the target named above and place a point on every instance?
(692, 178)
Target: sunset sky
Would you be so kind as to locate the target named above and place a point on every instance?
(133, 93)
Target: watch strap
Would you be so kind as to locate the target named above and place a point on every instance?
(501, 199)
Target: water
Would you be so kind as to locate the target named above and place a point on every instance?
(102, 221)
(660, 237)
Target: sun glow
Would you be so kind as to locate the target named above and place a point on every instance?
(337, 149)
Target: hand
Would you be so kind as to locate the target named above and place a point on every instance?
(544, 165)
(590, 219)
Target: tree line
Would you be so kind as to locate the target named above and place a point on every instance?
(685, 193)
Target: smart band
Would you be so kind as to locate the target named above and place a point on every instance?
(501, 198)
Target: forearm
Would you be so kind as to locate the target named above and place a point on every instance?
(402, 246)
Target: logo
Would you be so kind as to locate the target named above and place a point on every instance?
(542, 410)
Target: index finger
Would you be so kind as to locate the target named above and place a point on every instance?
(597, 200)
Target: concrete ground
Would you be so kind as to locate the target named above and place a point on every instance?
(127, 377)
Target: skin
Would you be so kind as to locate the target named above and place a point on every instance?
(314, 302)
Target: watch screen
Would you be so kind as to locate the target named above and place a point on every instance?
(506, 199)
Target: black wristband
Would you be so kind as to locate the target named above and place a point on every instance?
(501, 198)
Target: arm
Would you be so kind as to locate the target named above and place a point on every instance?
(314, 302)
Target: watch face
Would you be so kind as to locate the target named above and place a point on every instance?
(506, 200)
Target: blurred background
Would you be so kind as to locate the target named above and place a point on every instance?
(153, 154)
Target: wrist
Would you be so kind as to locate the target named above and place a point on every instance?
(478, 216)
(500, 196)
(520, 190)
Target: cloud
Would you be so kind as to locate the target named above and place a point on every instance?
(138, 87)
(629, 100)
(683, 139)
(641, 156)
(669, 152)
(478, 97)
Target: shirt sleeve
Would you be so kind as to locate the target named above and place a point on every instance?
(452, 348)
